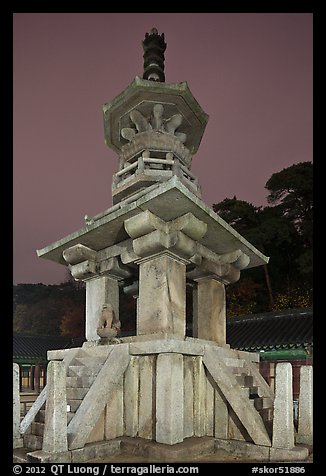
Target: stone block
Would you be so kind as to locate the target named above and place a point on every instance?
(97, 433)
(162, 296)
(209, 408)
(55, 427)
(114, 426)
(41, 456)
(166, 346)
(199, 397)
(209, 311)
(288, 454)
(191, 447)
(131, 397)
(305, 424)
(188, 393)
(169, 399)
(95, 450)
(16, 404)
(283, 426)
(243, 449)
(221, 416)
(147, 386)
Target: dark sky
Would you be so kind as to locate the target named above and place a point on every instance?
(251, 72)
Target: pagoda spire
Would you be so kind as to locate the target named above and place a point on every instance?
(154, 46)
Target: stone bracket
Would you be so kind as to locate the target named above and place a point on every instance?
(225, 273)
(151, 236)
(95, 264)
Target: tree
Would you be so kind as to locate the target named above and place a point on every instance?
(291, 191)
(282, 231)
(73, 322)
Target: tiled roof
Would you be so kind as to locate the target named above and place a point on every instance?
(35, 347)
(291, 329)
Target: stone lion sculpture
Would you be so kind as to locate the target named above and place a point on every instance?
(108, 326)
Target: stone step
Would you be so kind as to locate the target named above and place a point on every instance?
(269, 427)
(267, 414)
(233, 362)
(40, 417)
(76, 393)
(79, 382)
(91, 361)
(74, 404)
(70, 416)
(239, 370)
(20, 455)
(245, 392)
(82, 371)
(37, 428)
(253, 391)
(262, 403)
(33, 442)
(245, 380)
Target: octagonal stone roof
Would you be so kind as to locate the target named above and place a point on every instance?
(142, 95)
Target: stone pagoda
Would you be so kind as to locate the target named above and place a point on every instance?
(159, 392)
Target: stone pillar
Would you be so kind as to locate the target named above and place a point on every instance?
(37, 372)
(199, 397)
(188, 404)
(17, 440)
(305, 426)
(162, 296)
(55, 427)
(169, 398)
(283, 427)
(131, 397)
(146, 397)
(209, 320)
(113, 425)
(99, 290)
(221, 416)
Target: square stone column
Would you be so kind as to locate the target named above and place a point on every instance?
(162, 296)
(55, 427)
(209, 314)
(17, 439)
(99, 290)
(305, 425)
(283, 426)
(169, 398)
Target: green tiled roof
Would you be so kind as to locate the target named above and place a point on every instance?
(33, 348)
(271, 331)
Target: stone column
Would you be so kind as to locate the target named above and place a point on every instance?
(169, 398)
(221, 416)
(131, 397)
(305, 426)
(37, 378)
(146, 397)
(99, 290)
(17, 440)
(283, 427)
(55, 427)
(162, 291)
(209, 319)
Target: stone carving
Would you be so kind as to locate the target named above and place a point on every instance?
(108, 325)
(155, 122)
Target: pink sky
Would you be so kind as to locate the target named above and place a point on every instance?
(251, 72)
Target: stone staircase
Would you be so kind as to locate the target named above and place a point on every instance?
(252, 390)
(81, 373)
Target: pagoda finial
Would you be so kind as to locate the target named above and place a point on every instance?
(154, 47)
